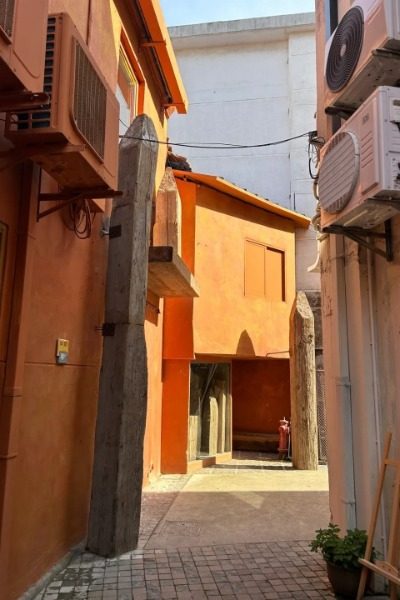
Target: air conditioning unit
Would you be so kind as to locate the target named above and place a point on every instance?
(359, 177)
(22, 41)
(362, 54)
(75, 137)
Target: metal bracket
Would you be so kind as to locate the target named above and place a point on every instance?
(65, 197)
(23, 100)
(359, 235)
(108, 330)
(115, 231)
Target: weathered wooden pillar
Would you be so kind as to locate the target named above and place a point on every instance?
(304, 425)
(221, 418)
(118, 461)
(209, 426)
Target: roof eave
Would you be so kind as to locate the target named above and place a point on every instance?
(161, 42)
(223, 186)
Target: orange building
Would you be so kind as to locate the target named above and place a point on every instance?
(69, 85)
(226, 375)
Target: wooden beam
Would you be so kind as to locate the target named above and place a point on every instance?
(118, 462)
(304, 424)
(168, 274)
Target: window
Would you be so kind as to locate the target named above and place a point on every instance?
(127, 92)
(264, 272)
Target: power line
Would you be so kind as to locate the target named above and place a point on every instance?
(216, 145)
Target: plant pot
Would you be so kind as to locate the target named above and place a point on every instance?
(344, 581)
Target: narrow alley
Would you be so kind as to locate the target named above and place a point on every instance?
(195, 542)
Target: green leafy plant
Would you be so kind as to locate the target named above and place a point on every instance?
(341, 551)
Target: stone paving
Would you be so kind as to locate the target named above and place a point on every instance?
(243, 571)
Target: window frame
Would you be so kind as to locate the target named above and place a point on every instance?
(266, 246)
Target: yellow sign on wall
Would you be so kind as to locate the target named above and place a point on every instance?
(62, 351)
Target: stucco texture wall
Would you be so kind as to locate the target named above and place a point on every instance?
(53, 424)
(260, 394)
(176, 376)
(225, 321)
(152, 439)
(57, 418)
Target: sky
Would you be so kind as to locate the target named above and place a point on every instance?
(184, 12)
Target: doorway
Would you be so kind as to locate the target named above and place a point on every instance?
(210, 410)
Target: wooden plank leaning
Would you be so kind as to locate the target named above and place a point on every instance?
(387, 568)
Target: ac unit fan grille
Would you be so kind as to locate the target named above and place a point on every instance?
(39, 118)
(339, 172)
(90, 102)
(345, 49)
(7, 16)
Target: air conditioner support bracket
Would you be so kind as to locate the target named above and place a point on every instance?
(363, 237)
(23, 100)
(65, 197)
(13, 156)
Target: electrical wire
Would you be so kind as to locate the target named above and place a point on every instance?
(214, 145)
(82, 219)
(315, 144)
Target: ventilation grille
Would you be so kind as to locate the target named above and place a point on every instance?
(40, 118)
(339, 172)
(345, 49)
(90, 102)
(7, 16)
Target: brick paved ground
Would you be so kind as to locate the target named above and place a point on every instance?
(243, 571)
(251, 571)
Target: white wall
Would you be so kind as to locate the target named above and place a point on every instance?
(252, 82)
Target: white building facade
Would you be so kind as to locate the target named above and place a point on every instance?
(252, 82)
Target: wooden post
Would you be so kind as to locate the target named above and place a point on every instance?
(118, 461)
(304, 425)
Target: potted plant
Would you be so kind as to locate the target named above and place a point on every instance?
(341, 555)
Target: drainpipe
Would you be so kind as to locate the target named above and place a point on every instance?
(375, 390)
(344, 446)
(89, 23)
(12, 392)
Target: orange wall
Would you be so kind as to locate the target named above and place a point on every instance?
(152, 440)
(225, 321)
(54, 424)
(260, 394)
(175, 412)
(57, 421)
(178, 318)
(222, 322)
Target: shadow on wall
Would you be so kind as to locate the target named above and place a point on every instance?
(245, 345)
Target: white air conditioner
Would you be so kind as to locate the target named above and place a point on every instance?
(362, 54)
(359, 177)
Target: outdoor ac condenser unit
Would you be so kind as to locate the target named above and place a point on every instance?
(22, 41)
(363, 53)
(75, 137)
(359, 177)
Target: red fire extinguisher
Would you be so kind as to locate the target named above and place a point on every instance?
(284, 432)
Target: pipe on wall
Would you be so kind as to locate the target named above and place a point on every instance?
(375, 378)
(339, 406)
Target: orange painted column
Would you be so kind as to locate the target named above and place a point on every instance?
(12, 393)
(175, 416)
